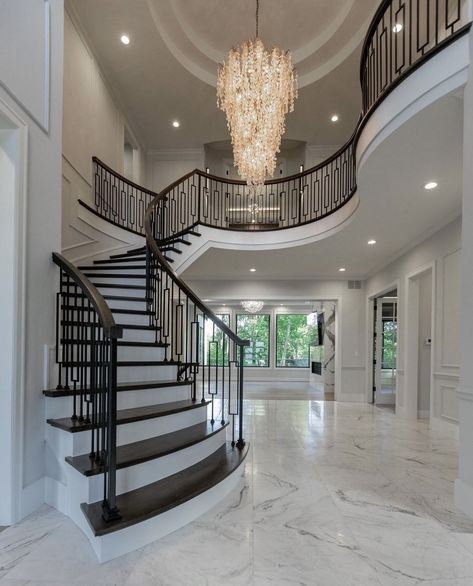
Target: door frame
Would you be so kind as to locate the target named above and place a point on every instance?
(12, 427)
(396, 284)
(411, 363)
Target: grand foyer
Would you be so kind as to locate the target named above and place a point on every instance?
(114, 400)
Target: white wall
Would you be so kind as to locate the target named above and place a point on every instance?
(464, 483)
(163, 167)
(31, 46)
(94, 124)
(350, 322)
(443, 250)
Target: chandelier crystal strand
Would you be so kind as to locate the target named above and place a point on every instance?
(256, 88)
(252, 306)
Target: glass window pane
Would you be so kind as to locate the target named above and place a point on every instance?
(215, 354)
(293, 338)
(256, 329)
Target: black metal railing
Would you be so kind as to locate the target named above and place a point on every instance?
(119, 200)
(208, 353)
(402, 34)
(199, 198)
(86, 355)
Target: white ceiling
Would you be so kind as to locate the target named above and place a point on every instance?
(155, 87)
(395, 209)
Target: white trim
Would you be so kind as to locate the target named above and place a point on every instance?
(15, 449)
(31, 498)
(42, 124)
(464, 497)
(396, 284)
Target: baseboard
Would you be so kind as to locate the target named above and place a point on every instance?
(445, 426)
(55, 494)
(31, 498)
(350, 397)
(464, 497)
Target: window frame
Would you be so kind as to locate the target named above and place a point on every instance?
(276, 343)
(268, 315)
(205, 362)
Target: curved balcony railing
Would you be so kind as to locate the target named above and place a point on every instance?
(403, 35)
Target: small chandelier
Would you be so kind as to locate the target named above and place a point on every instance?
(252, 306)
(256, 88)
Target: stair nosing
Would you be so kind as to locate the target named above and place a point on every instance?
(122, 387)
(143, 459)
(185, 405)
(223, 454)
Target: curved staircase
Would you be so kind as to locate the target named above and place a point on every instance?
(174, 425)
(145, 426)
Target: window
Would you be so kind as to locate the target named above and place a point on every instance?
(214, 352)
(293, 338)
(256, 329)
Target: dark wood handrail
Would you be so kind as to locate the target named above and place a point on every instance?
(111, 329)
(177, 280)
(123, 178)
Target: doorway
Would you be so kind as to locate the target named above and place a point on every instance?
(385, 322)
(419, 337)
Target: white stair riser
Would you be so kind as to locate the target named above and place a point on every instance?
(120, 291)
(127, 433)
(57, 407)
(124, 304)
(129, 270)
(126, 374)
(137, 319)
(107, 280)
(148, 472)
(129, 353)
(130, 335)
(119, 543)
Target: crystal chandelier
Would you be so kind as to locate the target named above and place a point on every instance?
(256, 88)
(252, 306)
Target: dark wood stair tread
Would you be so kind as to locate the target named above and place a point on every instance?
(131, 415)
(132, 363)
(123, 326)
(113, 310)
(115, 276)
(102, 267)
(127, 259)
(149, 449)
(133, 386)
(119, 286)
(149, 501)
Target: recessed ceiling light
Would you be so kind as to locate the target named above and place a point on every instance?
(342, 269)
(252, 270)
(430, 185)
(397, 28)
(125, 39)
(334, 118)
(371, 242)
(176, 123)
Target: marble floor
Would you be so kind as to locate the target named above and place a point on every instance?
(334, 494)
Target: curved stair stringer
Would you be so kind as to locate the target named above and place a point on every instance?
(264, 240)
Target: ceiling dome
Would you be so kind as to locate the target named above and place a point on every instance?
(320, 34)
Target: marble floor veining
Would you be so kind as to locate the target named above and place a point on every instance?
(334, 494)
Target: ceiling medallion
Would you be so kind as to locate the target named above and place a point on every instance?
(252, 306)
(256, 88)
